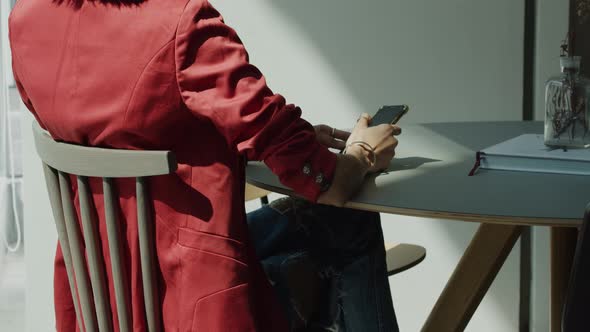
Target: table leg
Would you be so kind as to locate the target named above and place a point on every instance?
(563, 247)
(472, 277)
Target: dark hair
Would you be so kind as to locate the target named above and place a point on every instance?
(118, 3)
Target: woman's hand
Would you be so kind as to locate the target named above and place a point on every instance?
(381, 138)
(331, 137)
(352, 167)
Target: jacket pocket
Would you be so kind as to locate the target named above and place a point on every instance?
(214, 279)
(213, 244)
(225, 311)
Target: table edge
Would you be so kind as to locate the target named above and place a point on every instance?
(480, 218)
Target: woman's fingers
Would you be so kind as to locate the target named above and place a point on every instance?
(363, 121)
(337, 144)
(342, 135)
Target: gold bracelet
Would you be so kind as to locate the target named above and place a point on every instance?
(367, 147)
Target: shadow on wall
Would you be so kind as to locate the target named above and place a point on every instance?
(446, 72)
(385, 54)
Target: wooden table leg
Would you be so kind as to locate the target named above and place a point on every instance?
(472, 277)
(563, 247)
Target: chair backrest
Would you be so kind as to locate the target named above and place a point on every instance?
(577, 299)
(60, 160)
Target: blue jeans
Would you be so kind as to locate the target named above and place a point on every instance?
(337, 252)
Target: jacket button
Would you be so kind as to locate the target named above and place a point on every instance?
(307, 169)
(319, 179)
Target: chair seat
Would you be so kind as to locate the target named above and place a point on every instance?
(403, 256)
(254, 192)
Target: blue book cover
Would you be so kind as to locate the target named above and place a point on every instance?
(528, 153)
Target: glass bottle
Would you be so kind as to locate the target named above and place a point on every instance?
(566, 106)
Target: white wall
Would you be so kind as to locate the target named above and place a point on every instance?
(449, 60)
(453, 60)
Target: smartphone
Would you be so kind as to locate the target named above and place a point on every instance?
(389, 114)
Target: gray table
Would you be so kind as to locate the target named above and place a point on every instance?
(429, 178)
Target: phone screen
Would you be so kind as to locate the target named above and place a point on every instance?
(389, 114)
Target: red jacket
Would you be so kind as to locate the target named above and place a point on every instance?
(169, 75)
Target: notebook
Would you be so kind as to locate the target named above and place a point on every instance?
(528, 153)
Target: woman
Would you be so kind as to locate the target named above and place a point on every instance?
(171, 75)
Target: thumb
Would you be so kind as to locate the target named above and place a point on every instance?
(363, 121)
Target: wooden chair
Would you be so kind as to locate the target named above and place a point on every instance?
(253, 193)
(577, 299)
(399, 256)
(403, 256)
(59, 161)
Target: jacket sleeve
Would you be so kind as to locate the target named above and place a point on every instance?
(218, 83)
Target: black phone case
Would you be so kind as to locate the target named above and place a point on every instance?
(389, 115)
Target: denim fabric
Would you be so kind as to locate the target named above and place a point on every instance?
(339, 251)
